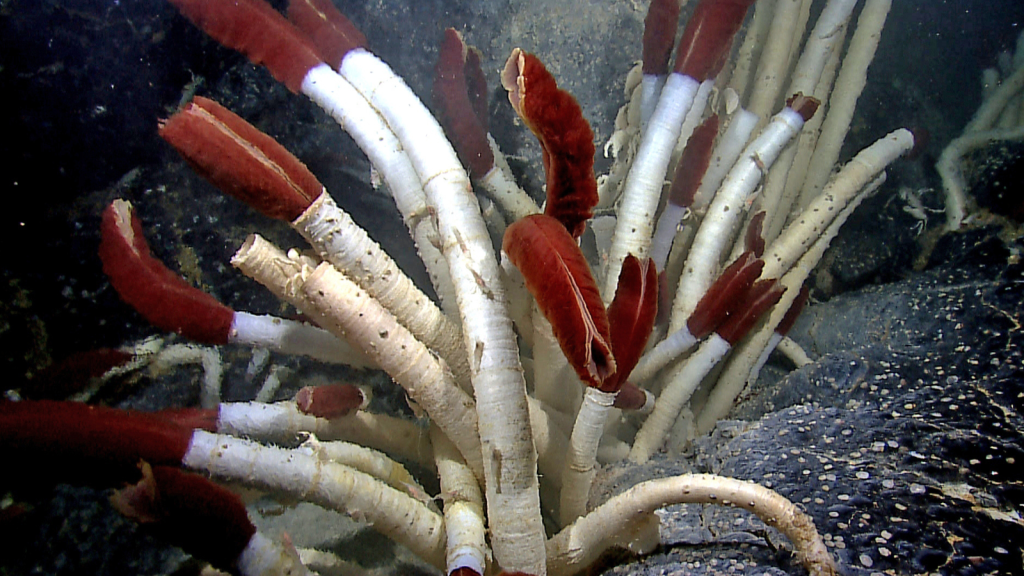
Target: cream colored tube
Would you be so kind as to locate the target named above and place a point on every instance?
(812, 222)
(951, 170)
(349, 312)
(513, 499)
(271, 267)
(775, 56)
(578, 545)
(849, 85)
(342, 242)
(463, 508)
(581, 461)
(282, 422)
(738, 368)
(304, 476)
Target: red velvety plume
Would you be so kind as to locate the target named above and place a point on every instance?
(458, 102)
(631, 316)
(555, 118)
(754, 241)
(142, 281)
(240, 160)
(794, 311)
(708, 37)
(659, 35)
(762, 295)
(805, 106)
(557, 275)
(255, 29)
(694, 162)
(189, 511)
(725, 296)
(78, 443)
(330, 401)
(329, 30)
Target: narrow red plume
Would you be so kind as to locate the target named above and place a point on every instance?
(805, 106)
(557, 275)
(162, 297)
(240, 160)
(754, 241)
(555, 118)
(204, 519)
(794, 311)
(694, 162)
(255, 29)
(631, 316)
(631, 397)
(761, 296)
(725, 295)
(86, 444)
(330, 401)
(458, 112)
(329, 30)
(708, 37)
(659, 35)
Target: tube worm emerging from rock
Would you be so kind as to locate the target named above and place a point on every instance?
(555, 118)
(559, 278)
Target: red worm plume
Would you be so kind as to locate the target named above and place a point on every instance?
(327, 28)
(162, 297)
(708, 37)
(631, 316)
(659, 35)
(556, 119)
(240, 160)
(557, 275)
(458, 105)
(255, 29)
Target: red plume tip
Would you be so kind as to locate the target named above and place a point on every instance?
(708, 37)
(330, 401)
(725, 295)
(754, 242)
(805, 106)
(460, 97)
(567, 141)
(659, 35)
(142, 281)
(794, 311)
(255, 29)
(631, 316)
(694, 162)
(761, 296)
